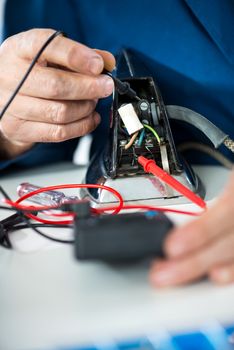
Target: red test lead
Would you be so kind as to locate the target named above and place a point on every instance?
(150, 166)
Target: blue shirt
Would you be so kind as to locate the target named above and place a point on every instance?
(187, 44)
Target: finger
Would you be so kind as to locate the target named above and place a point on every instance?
(50, 111)
(183, 270)
(196, 234)
(61, 50)
(108, 58)
(51, 83)
(223, 274)
(18, 131)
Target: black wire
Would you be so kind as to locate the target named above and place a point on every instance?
(28, 224)
(24, 226)
(7, 243)
(6, 240)
(35, 226)
(35, 229)
(5, 227)
(5, 195)
(7, 208)
(4, 237)
(34, 61)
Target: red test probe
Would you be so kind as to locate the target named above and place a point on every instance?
(150, 166)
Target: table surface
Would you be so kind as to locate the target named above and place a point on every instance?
(48, 299)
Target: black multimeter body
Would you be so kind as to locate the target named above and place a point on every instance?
(121, 238)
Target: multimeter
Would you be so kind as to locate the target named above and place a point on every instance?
(123, 237)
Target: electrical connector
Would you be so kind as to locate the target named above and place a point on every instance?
(81, 208)
(130, 118)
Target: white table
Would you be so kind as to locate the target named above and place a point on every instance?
(47, 298)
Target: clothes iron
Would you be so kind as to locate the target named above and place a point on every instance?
(116, 165)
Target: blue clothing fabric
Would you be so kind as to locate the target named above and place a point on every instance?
(187, 44)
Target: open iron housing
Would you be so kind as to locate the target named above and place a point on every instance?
(118, 168)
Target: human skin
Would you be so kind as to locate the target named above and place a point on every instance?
(57, 102)
(204, 247)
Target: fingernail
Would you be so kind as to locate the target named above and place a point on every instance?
(108, 84)
(96, 64)
(97, 119)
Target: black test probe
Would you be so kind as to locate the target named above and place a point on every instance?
(122, 87)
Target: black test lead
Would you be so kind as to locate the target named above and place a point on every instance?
(122, 87)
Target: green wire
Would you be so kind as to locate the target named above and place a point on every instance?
(153, 132)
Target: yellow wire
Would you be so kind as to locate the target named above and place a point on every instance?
(153, 132)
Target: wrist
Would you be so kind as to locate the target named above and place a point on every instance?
(12, 149)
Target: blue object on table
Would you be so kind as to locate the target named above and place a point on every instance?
(212, 336)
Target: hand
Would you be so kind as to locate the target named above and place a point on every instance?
(57, 101)
(204, 247)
